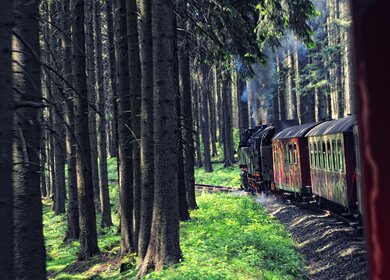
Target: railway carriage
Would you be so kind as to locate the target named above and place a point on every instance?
(291, 159)
(332, 161)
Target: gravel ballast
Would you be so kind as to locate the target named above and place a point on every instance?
(332, 249)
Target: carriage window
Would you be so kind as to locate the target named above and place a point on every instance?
(334, 153)
(290, 147)
(319, 155)
(315, 155)
(341, 155)
(285, 150)
(311, 155)
(275, 154)
(329, 151)
(324, 164)
(295, 154)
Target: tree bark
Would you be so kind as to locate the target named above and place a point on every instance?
(292, 98)
(187, 120)
(113, 82)
(213, 122)
(242, 100)
(73, 226)
(217, 77)
(281, 95)
(135, 92)
(195, 93)
(6, 139)
(29, 251)
(297, 81)
(205, 126)
(101, 121)
(184, 215)
(164, 248)
(91, 85)
(227, 120)
(349, 102)
(125, 148)
(147, 142)
(88, 234)
(57, 115)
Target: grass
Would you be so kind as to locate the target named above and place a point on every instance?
(221, 176)
(61, 256)
(228, 237)
(231, 237)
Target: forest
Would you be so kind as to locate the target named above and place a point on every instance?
(109, 107)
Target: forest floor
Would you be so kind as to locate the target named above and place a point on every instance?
(221, 176)
(228, 237)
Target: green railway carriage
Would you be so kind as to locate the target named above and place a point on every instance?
(332, 161)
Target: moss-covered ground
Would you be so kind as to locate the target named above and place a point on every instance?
(228, 237)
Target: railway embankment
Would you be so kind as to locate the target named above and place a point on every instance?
(332, 249)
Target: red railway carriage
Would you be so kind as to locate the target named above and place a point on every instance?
(291, 159)
(332, 161)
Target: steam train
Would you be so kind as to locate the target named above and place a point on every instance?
(315, 162)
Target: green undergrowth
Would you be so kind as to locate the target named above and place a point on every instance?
(228, 237)
(62, 256)
(221, 176)
(231, 237)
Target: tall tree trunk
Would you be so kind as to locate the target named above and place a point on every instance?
(43, 163)
(147, 142)
(48, 95)
(135, 92)
(280, 87)
(213, 122)
(88, 234)
(29, 254)
(292, 98)
(195, 93)
(186, 109)
(345, 15)
(297, 81)
(219, 103)
(275, 106)
(101, 121)
(57, 111)
(205, 129)
(6, 130)
(164, 248)
(332, 34)
(320, 105)
(73, 226)
(112, 59)
(227, 116)
(184, 215)
(242, 100)
(91, 85)
(125, 151)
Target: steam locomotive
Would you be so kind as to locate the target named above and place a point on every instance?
(316, 162)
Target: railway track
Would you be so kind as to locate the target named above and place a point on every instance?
(346, 218)
(214, 188)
